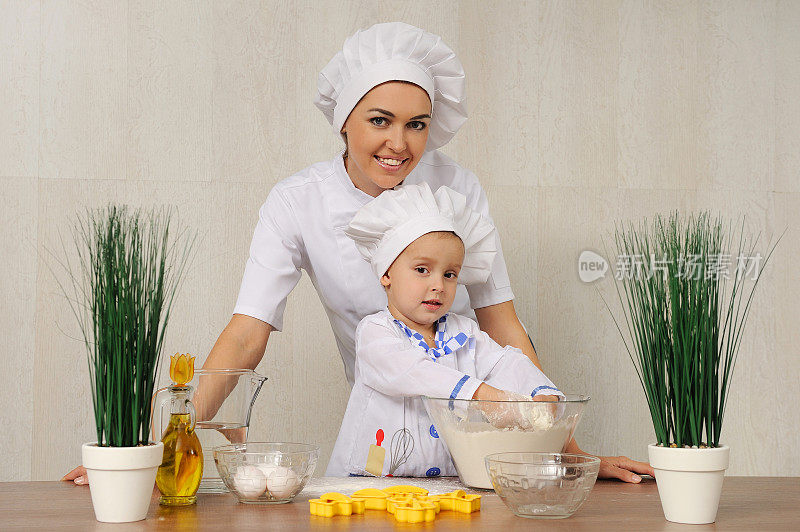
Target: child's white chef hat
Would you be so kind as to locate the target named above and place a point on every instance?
(395, 51)
(385, 226)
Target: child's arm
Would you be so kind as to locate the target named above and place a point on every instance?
(387, 363)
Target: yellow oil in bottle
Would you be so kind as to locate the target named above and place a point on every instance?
(181, 469)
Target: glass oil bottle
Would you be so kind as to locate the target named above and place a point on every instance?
(181, 469)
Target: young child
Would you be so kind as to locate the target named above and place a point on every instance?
(420, 246)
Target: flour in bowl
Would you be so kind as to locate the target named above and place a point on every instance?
(470, 442)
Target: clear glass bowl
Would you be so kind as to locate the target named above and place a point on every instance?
(265, 472)
(473, 429)
(544, 485)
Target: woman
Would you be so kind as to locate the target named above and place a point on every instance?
(395, 94)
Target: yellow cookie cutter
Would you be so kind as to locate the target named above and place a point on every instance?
(404, 489)
(414, 511)
(404, 498)
(459, 501)
(331, 504)
(374, 499)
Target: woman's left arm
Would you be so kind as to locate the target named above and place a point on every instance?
(501, 323)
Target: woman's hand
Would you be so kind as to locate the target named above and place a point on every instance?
(78, 476)
(623, 468)
(619, 467)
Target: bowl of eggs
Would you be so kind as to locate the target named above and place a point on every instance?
(265, 472)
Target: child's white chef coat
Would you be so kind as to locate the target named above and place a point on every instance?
(301, 227)
(394, 366)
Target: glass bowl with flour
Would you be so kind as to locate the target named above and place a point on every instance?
(473, 429)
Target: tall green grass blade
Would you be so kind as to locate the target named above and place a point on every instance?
(684, 327)
(129, 267)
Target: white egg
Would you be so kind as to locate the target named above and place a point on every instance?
(267, 469)
(282, 482)
(250, 481)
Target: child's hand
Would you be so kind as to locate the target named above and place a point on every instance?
(542, 417)
(527, 416)
(494, 410)
(513, 410)
(510, 413)
(546, 398)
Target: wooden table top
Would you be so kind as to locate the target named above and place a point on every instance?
(748, 503)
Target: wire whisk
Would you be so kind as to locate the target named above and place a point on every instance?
(402, 445)
(401, 448)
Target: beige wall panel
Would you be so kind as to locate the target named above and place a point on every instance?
(514, 210)
(168, 90)
(499, 141)
(325, 26)
(736, 53)
(578, 51)
(785, 353)
(19, 88)
(17, 327)
(232, 216)
(787, 104)
(580, 114)
(657, 115)
(83, 99)
(259, 90)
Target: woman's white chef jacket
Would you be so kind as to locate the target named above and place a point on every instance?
(301, 227)
(394, 367)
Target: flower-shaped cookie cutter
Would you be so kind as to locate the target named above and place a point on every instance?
(405, 498)
(414, 511)
(459, 501)
(332, 504)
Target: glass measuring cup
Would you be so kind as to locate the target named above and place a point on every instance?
(223, 400)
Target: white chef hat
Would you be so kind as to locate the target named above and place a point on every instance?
(395, 51)
(385, 226)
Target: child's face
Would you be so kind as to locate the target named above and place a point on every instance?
(421, 282)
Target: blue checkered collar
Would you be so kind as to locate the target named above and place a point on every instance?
(444, 345)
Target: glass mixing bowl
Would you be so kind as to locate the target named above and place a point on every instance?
(546, 485)
(473, 429)
(264, 472)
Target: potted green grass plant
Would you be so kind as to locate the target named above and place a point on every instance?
(686, 289)
(128, 270)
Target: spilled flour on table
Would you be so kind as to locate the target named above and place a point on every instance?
(318, 486)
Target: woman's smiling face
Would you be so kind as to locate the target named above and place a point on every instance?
(386, 135)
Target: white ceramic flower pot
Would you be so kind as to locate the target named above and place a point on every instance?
(689, 481)
(121, 480)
